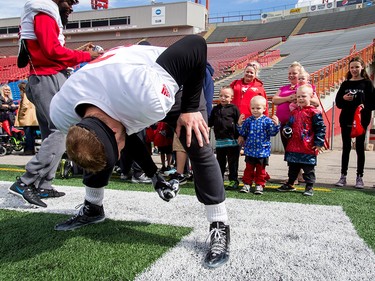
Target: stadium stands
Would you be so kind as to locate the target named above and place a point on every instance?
(341, 20)
(223, 56)
(254, 31)
(10, 72)
(314, 51)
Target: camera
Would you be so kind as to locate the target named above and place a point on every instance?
(287, 132)
(97, 48)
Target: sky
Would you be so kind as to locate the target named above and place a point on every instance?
(13, 8)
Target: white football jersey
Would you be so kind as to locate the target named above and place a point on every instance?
(125, 82)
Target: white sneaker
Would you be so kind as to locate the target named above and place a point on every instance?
(258, 189)
(246, 188)
(342, 181)
(359, 183)
(141, 179)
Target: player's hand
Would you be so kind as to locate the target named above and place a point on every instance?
(193, 122)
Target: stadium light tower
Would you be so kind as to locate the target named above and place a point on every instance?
(99, 4)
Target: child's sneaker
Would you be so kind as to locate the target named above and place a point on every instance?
(246, 188)
(232, 185)
(308, 191)
(286, 187)
(359, 183)
(258, 189)
(342, 181)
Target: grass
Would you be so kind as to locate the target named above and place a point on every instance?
(95, 253)
(32, 250)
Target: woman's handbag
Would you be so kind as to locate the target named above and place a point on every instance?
(357, 128)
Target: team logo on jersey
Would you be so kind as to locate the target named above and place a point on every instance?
(165, 91)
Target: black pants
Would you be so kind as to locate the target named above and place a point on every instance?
(308, 173)
(232, 154)
(346, 148)
(186, 62)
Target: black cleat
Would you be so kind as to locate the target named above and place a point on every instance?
(27, 192)
(218, 253)
(88, 214)
(49, 193)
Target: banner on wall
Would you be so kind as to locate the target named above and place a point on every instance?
(320, 7)
(158, 15)
(283, 13)
(348, 2)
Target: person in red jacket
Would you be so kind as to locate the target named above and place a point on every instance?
(246, 88)
(42, 44)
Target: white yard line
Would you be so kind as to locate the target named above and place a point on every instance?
(269, 240)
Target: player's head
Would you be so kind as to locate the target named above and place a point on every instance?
(65, 9)
(258, 106)
(304, 95)
(93, 145)
(226, 95)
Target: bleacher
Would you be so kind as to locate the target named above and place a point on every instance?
(319, 50)
(313, 48)
(341, 20)
(252, 32)
(10, 72)
(222, 56)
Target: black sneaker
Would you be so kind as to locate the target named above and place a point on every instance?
(49, 193)
(177, 176)
(27, 192)
(286, 187)
(88, 214)
(218, 253)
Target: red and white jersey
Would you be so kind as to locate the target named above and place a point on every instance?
(125, 82)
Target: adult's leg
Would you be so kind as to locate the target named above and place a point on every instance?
(136, 150)
(29, 138)
(42, 167)
(360, 150)
(346, 148)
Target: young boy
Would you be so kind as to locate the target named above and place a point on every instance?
(304, 79)
(224, 118)
(257, 131)
(306, 140)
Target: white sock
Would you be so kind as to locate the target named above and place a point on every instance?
(95, 195)
(217, 212)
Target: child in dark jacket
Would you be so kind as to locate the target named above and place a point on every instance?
(224, 118)
(306, 133)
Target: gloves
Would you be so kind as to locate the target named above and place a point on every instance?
(166, 190)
